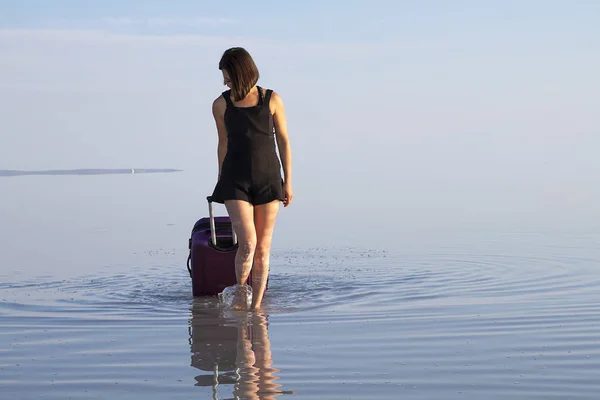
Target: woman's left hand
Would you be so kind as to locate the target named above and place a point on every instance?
(288, 194)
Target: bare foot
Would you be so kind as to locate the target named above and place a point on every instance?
(241, 297)
(239, 302)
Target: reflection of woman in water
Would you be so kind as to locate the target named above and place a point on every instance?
(255, 363)
(237, 351)
(250, 119)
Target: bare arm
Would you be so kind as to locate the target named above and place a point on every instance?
(218, 110)
(281, 135)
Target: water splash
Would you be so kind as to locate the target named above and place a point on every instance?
(237, 297)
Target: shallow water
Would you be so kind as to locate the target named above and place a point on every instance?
(103, 309)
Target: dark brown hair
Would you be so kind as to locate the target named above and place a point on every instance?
(241, 69)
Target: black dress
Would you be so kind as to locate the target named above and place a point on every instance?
(251, 167)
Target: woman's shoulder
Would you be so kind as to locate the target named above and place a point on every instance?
(219, 104)
(221, 96)
(266, 90)
(274, 97)
(275, 102)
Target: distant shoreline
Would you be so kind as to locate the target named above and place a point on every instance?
(86, 171)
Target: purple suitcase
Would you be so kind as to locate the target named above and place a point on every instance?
(212, 267)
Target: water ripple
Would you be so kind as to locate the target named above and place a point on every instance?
(338, 323)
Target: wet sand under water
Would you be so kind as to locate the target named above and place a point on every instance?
(516, 319)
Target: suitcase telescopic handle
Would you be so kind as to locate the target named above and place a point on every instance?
(213, 231)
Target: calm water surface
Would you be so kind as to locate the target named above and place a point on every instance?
(95, 303)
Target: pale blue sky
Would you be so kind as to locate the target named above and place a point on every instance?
(349, 20)
(405, 96)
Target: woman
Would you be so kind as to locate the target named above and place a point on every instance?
(249, 120)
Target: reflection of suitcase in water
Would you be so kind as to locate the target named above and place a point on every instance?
(211, 261)
(214, 346)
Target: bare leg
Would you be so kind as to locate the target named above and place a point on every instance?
(267, 380)
(264, 220)
(241, 214)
